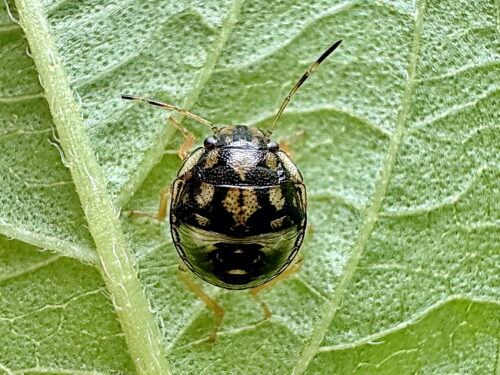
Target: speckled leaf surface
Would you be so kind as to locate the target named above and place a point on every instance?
(38, 203)
(56, 316)
(400, 156)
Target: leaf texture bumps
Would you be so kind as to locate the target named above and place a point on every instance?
(399, 155)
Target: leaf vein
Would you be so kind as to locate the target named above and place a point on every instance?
(454, 109)
(50, 370)
(131, 306)
(32, 268)
(446, 202)
(371, 213)
(156, 152)
(330, 12)
(23, 98)
(82, 253)
(462, 69)
(6, 28)
(374, 339)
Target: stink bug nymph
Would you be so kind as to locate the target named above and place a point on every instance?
(238, 205)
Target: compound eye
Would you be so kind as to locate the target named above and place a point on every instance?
(273, 146)
(209, 143)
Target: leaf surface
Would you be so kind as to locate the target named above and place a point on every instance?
(400, 157)
(56, 316)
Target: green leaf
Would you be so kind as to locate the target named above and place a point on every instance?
(400, 157)
(56, 316)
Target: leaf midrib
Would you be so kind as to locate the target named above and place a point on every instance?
(117, 269)
(371, 213)
(33, 13)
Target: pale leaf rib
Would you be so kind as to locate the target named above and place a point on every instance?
(7, 28)
(453, 110)
(190, 320)
(52, 370)
(155, 153)
(374, 339)
(336, 9)
(445, 202)
(371, 213)
(83, 253)
(141, 331)
(32, 268)
(23, 98)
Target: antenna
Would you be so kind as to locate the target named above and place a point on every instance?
(299, 83)
(171, 108)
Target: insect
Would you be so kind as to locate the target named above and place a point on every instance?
(238, 205)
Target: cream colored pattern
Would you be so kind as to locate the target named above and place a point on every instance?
(203, 221)
(271, 160)
(212, 158)
(290, 167)
(191, 161)
(241, 213)
(276, 197)
(278, 223)
(206, 194)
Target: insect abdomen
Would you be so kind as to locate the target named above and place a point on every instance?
(238, 212)
(236, 263)
(237, 237)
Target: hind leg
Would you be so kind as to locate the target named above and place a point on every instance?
(209, 302)
(254, 292)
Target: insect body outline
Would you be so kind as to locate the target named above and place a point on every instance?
(238, 205)
(238, 209)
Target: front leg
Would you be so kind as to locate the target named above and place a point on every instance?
(285, 143)
(189, 138)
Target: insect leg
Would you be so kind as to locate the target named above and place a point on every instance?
(189, 138)
(209, 302)
(285, 143)
(254, 292)
(162, 209)
(186, 145)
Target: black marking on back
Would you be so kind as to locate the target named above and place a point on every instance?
(225, 172)
(241, 136)
(237, 264)
(185, 208)
(242, 133)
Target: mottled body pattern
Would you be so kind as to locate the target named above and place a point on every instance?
(238, 209)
